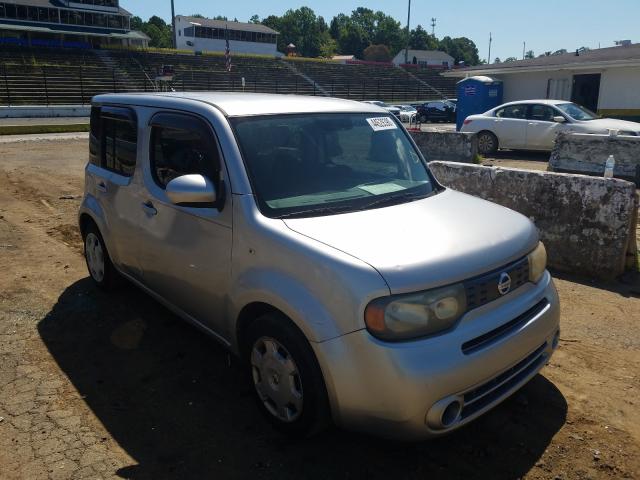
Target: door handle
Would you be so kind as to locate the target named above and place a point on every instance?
(149, 208)
(101, 186)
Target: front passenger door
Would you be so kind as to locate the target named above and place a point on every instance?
(185, 250)
(541, 129)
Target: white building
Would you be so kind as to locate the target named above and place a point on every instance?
(426, 58)
(203, 34)
(606, 80)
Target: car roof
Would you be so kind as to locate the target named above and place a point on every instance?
(244, 104)
(529, 102)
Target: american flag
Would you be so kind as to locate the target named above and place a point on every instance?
(227, 51)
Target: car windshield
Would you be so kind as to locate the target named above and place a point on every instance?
(576, 111)
(322, 164)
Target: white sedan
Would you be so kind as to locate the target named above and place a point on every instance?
(534, 125)
(407, 113)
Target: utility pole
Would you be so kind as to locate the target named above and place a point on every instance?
(406, 50)
(433, 27)
(173, 26)
(524, 48)
(490, 40)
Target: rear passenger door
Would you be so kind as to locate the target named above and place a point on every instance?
(111, 180)
(510, 126)
(185, 251)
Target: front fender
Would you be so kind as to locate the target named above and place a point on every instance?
(288, 295)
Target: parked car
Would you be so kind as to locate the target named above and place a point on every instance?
(407, 113)
(439, 111)
(534, 125)
(389, 108)
(308, 236)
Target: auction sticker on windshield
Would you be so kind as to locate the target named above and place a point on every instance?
(381, 123)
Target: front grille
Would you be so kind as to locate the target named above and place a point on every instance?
(484, 289)
(493, 390)
(503, 330)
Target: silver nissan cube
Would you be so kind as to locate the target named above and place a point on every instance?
(308, 236)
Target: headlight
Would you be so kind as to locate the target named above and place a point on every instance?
(401, 317)
(537, 263)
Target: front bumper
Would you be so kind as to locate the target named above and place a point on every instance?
(402, 390)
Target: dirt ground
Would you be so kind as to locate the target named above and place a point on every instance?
(102, 386)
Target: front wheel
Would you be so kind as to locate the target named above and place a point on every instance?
(487, 143)
(287, 379)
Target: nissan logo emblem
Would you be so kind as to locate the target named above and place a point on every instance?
(504, 283)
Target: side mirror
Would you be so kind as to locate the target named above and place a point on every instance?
(559, 119)
(191, 189)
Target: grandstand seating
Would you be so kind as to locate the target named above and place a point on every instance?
(50, 76)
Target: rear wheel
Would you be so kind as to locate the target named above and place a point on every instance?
(287, 379)
(487, 143)
(97, 257)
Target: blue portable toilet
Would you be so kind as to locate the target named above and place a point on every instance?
(477, 95)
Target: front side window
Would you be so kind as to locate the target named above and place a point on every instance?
(513, 111)
(113, 139)
(120, 145)
(182, 145)
(308, 165)
(542, 113)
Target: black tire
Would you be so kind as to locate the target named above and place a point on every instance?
(108, 278)
(314, 416)
(487, 143)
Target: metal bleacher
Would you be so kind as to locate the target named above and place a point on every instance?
(71, 76)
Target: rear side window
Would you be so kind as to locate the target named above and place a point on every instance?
(182, 145)
(513, 111)
(113, 139)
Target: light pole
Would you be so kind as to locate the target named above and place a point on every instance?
(490, 40)
(406, 50)
(173, 26)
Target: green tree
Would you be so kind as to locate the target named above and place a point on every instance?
(136, 23)
(462, 49)
(510, 59)
(497, 60)
(301, 27)
(420, 39)
(254, 19)
(530, 55)
(197, 15)
(377, 53)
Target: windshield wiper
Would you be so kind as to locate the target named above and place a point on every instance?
(317, 211)
(396, 199)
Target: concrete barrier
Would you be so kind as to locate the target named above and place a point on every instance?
(588, 224)
(449, 146)
(587, 154)
(43, 111)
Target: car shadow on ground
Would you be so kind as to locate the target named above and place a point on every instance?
(172, 400)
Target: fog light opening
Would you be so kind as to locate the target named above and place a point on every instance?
(451, 414)
(556, 340)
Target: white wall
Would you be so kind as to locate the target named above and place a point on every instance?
(530, 86)
(620, 88)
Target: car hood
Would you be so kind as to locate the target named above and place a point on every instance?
(613, 124)
(435, 241)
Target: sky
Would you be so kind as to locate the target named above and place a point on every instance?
(545, 25)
